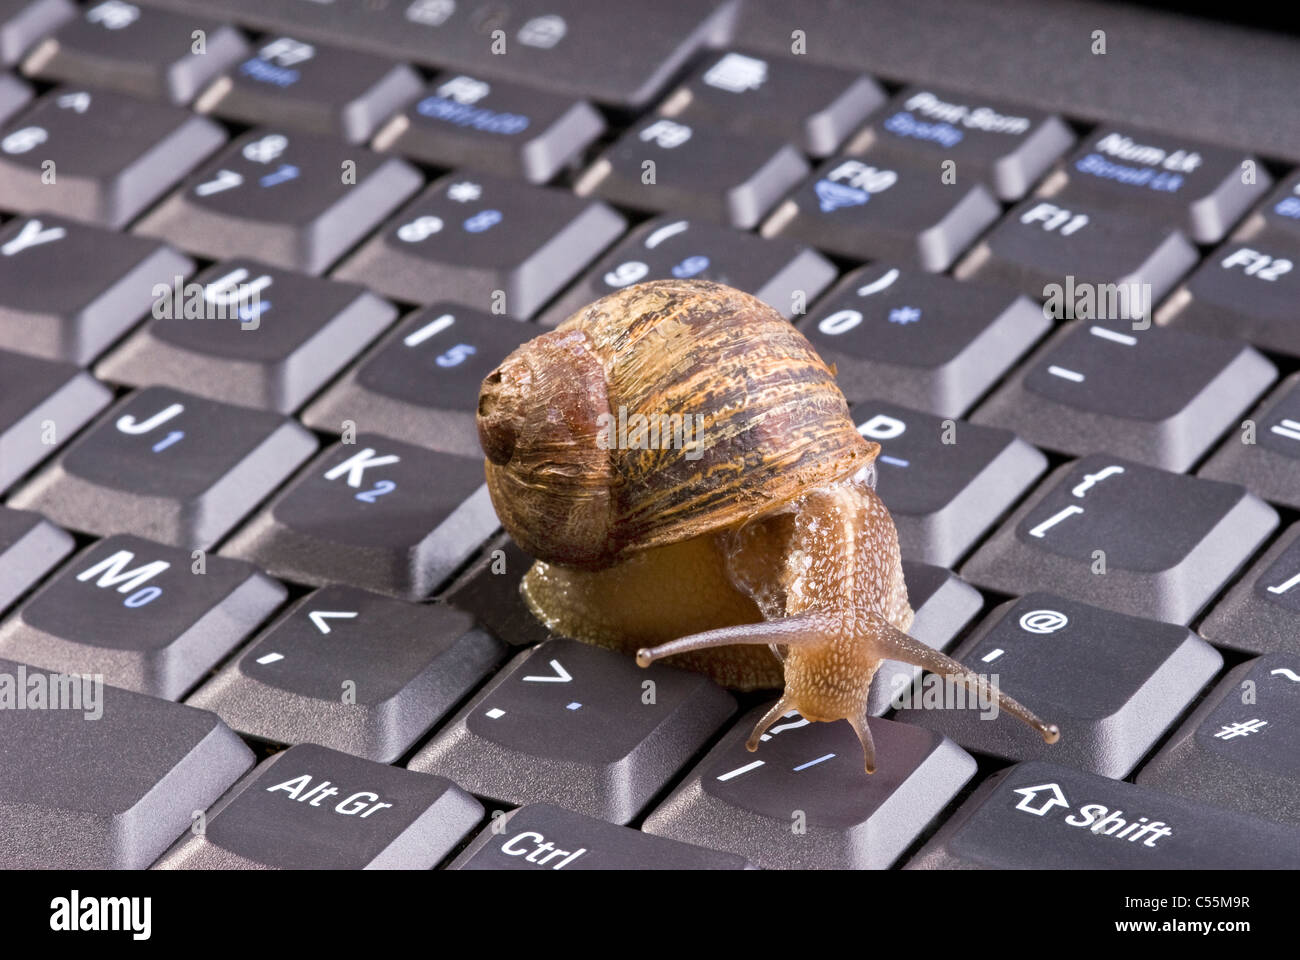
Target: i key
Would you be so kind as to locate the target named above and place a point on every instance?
(376, 513)
(1131, 538)
(902, 214)
(1264, 454)
(498, 127)
(147, 53)
(784, 275)
(62, 806)
(421, 382)
(1261, 612)
(296, 201)
(354, 671)
(742, 802)
(924, 339)
(1043, 816)
(702, 170)
(487, 243)
(313, 808)
(312, 87)
(1157, 396)
(23, 22)
(30, 547)
(248, 333)
(572, 724)
(149, 617)
(1113, 683)
(97, 155)
(176, 468)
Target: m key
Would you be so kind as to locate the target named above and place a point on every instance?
(1261, 612)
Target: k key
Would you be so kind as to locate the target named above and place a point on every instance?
(1261, 612)
(1264, 453)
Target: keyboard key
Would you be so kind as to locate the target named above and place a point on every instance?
(1277, 221)
(1088, 262)
(252, 334)
(150, 618)
(810, 776)
(903, 214)
(111, 792)
(1264, 454)
(665, 165)
(1195, 187)
(353, 671)
(30, 547)
(541, 836)
(1261, 612)
(23, 22)
(499, 128)
(375, 513)
(1041, 816)
(568, 723)
(14, 95)
(921, 338)
(1239, 754)
(494, 245)
(786, 276)
(176, 468)
(146, 53)
(811, 106)
(1004, 147)
(42, 405)
(1117, 534)
(1113, 683)
(1156, 396)
(489, 590)
(312, 87)
(97, 155)
(311, 808)
(296, 201)
(47, 313)
(945, 482)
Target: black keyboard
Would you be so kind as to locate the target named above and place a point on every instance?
(256, 257)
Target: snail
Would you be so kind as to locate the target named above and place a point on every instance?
(682, 467)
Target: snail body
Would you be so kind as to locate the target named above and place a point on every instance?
(742, 538)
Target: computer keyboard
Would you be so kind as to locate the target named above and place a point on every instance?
(256, 257)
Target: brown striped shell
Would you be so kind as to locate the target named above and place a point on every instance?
(774, 423)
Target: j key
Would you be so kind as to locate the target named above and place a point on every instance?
(921, 338)
(176, 468)
(945, 482)
(783, 275)
(697, 169)
(1194, 187)
(23, 22)
(572, 724)
(1261, 613)
(903, 214)
(312, 87)
(288, 200)
(1117, 534)
(147, 53)
(49, 312)
(42, 405)
(541, 836)
(421, 382)
(489, 590)
(354, 671)
(1113, 684)
(1246, 291)
(98, 155)
(30, 547)
(252, 334)
(1265, 453)
(1039, 815)
(378, 514)
(745, 802)
(1238, 753)
(1277, 221)
(1073, 255)
(312, 808)
(495, 245)
(150, 618)
(500, 128)
(14, 95)
(1006, 148)
(814, 107)
(63, 806)
(1157, 396)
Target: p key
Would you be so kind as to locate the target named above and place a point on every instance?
(1264, 453)
(1261, 612)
